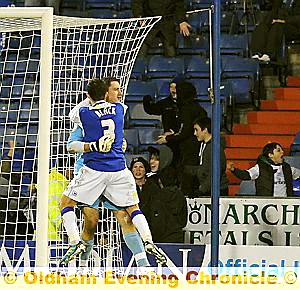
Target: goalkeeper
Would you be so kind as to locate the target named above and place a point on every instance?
(91, 215)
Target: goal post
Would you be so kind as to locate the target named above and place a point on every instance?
(45, 64)
(46, 25)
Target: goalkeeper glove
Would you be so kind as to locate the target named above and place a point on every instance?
(102, 145)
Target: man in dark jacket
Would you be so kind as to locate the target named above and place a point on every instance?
(273, 176)
(161, 201)
(202, 130)
(189, 110)
(166, 108)
(169, 112)
(173, 13)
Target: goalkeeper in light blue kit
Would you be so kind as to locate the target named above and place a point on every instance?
(104, 172)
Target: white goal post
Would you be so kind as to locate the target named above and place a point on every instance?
(45, 64)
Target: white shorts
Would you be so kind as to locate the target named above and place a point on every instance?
(118, 187)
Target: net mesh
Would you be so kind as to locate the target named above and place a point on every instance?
(82, 49)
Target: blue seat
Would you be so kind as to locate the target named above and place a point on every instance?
(125, 4)
(125, 14)
(247, 187)
(163, 88)
(137, 89)
(148, 137)
(236, 44)
(196, 67)
(17, 90)
(21, 140)
(139, 118)
(17, 166)
(103, 13)
(5, 92)
(164, 67)
(194, 19)
(101, 4)
(5, 3)
(243, 76)
(28, 165)
(33, 129)
(201, 86)
(295, 146)
(139, 69)
(198, 4)
(294, 161)
(3, 111)
(31, 140)
(229, 22)
(195, 44)
(296, 187)
(132, 137)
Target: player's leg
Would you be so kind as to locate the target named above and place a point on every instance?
(70, 223)
(84, 188)
(122, 192)
(132, 238)
(91, 218)
(69, 219)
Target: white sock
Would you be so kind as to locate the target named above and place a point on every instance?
(70, 224)
(141, 224)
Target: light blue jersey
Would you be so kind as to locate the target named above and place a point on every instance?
(76, 135)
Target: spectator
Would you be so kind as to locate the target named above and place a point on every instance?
(272, 175)
(173, 13)
(57, 184)
(168, 109)
(268, 35)
(162, 202)
(139, 167)
(189, 110)
(202, 128)
(41, 3)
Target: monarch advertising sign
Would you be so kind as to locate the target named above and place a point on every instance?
(251, 221)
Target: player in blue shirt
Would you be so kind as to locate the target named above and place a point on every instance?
(103, 172)
(91, 213)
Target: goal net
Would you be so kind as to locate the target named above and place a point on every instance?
(45, 64)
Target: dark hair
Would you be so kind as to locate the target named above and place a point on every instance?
(109, 80)
(153, 152)
(97, 88)
(269, 148)
(142, 160)
(203, 123)
(186, 92)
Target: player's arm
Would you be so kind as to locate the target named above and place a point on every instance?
(102, 145)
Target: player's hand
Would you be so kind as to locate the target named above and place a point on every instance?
(230, 166)
(184, 28)
(102, 145)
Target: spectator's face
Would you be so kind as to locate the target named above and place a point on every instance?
(173, 90)
(199, 133)
(154, 163)
(277, 156)
(138, 170)
(114, 93)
